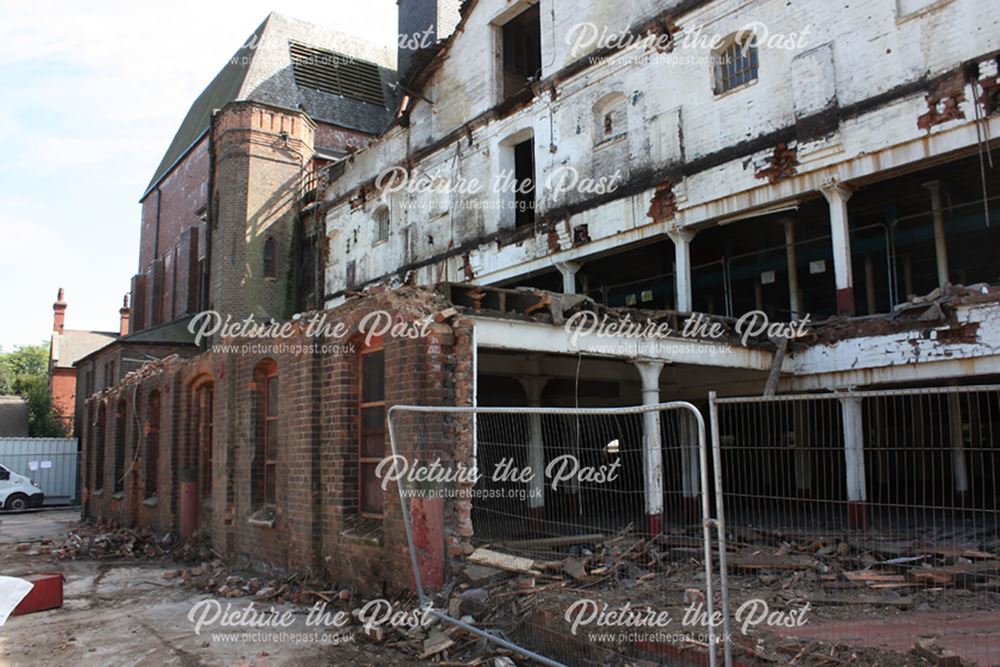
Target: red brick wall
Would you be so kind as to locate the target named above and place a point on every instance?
(315, 516)
(63, 391)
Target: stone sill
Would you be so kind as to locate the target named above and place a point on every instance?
(263, 518)
(362, 530)
(151, 501)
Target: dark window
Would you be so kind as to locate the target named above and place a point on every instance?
(371, 429)
(522, 51)
(382, 222)
(524, 176)
(270, 253)
(203, 436)
(264, 471)
(99, 432)
(336, 73)
(152, 444)
(120, 421)
(737, 63)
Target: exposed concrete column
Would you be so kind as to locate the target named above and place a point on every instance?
(870, 283)
(960, 470)
(533, 386)
(854, 460)
(940, 243)
(837, 195)
(794, 303)
(690, 466)
(652, 454)
(682, 268)
(568, 271)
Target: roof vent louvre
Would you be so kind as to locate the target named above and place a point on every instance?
(336, 73)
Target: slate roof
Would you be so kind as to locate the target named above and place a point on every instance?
(172, 333)
(74, 344)
(262, 71)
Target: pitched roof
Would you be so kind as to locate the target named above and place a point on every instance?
(72, 345)
(173, 333)
(345, 75)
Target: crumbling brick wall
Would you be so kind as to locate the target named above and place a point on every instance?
(315, 523)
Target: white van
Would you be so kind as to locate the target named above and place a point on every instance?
(17, 492)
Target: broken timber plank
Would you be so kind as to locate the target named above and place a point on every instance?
(559, 541)
(874, 576)
(936, 655)
(503, 561)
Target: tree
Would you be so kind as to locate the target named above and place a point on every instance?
(24, 372)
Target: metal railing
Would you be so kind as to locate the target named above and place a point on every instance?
(572, 516)
(864, 504)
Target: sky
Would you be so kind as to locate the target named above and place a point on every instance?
(92, 94)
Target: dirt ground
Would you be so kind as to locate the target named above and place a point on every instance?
(127, 613)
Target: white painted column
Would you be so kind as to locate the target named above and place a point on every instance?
(960, 471)
(533, 386)
(854, 460)
(682, 268)
(940, 243)
(837, 195)
(652, 453)
(794, 303)
(568, 271)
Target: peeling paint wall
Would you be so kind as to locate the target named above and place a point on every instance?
(844, 103)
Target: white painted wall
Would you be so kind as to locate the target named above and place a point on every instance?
(851, 52)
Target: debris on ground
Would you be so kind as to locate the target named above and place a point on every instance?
(519, 590)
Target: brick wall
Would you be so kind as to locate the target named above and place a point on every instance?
(62, 387)
(314, 524)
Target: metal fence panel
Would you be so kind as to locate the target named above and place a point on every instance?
(52, 462)
(613, 522)
(877, 508)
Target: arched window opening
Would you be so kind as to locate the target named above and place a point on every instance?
(270, 258)
(152, 428)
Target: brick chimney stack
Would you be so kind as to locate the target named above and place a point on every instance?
(59, 313)
(124, 313)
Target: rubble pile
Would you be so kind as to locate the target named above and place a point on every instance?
(104, 541)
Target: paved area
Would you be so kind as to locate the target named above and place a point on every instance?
(34, 525)
(973, 636)
(127, 613)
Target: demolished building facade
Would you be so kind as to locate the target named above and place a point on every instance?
(834, 167)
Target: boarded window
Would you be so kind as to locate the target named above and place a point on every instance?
(610, 117)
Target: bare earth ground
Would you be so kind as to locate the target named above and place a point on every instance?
(126, 613)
